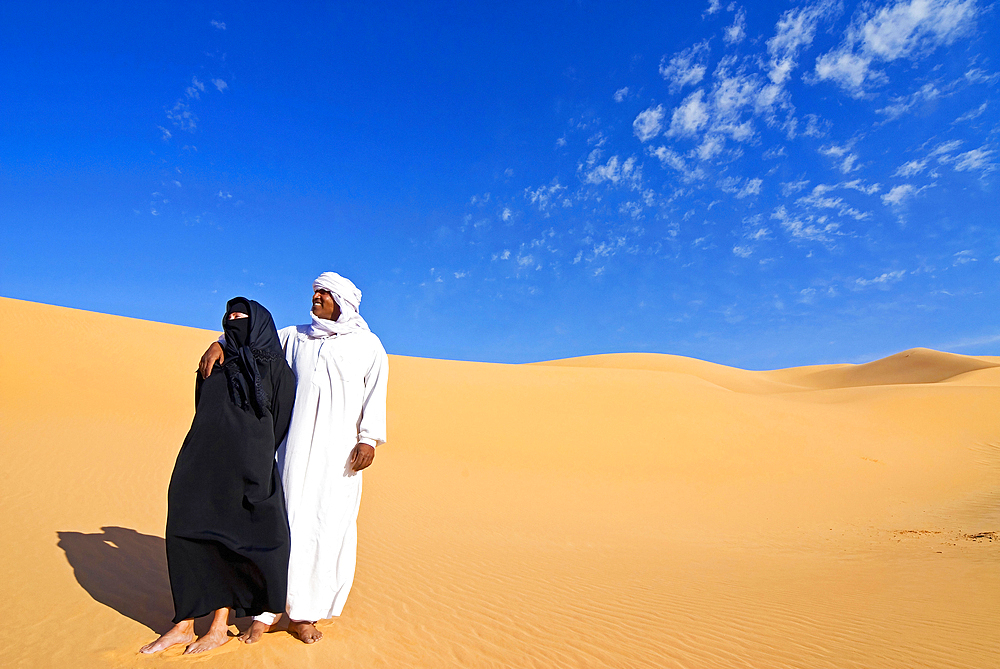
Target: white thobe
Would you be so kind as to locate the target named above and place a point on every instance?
(340, 394)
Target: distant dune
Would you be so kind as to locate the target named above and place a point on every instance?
(630, 510)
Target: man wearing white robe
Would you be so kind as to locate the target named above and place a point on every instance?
(341, 372)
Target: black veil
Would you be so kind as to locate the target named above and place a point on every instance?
(246, 345)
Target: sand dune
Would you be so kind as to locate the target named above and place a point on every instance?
(918, 365)
(611, 511)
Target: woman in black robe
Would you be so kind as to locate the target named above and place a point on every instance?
(227, 530)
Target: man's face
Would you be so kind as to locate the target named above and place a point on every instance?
(324, 307)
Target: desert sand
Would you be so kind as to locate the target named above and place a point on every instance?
(610, 511)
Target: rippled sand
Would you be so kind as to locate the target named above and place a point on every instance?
(611, 511)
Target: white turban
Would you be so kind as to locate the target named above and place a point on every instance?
(348, 298)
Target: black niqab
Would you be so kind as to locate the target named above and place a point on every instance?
(237, 322)
(247, 341)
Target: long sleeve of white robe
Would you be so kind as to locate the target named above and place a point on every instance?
(340, 399)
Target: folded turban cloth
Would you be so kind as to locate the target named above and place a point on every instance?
(348, 298)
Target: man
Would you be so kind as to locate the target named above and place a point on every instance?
(338, 419)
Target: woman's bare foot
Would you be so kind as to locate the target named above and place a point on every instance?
(305, 631)
(217, 635)
(256, 630)
(213, 639)
(182, 632)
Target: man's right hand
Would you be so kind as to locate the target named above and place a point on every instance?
(213, 355)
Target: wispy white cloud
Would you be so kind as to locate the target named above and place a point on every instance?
(898, 195)
(690, 117)
(687, 67)
(972, 114)
(964, 257)
(977, 75)
(711, 146)
(883, 280)
(794, 31)
(944, 151)
(670, 158)
(195, 89)
(648, 124)
(807, 295)
(733, 185)
(818, 199)
(735, 33)
(614, 171)
(620, 94)
(544, 196)
(845, 158)
(218, 24)
(902, 29)
(753, 228)
(977, 160)
(808, 228)
(182, 116)
(861, 186)
(901, 104)
(946, 147)
(910, 168)
(793, 187)
(815, 127)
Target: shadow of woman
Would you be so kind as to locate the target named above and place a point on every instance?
(125, 570)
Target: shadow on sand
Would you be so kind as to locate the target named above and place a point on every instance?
(125, 570)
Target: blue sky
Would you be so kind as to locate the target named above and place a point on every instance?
(757, 184)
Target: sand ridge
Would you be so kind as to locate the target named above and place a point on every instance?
(625, 511)
(915, 366)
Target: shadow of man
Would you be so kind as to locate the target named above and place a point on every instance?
(125, 570)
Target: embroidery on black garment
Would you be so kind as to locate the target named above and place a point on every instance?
(238, 390)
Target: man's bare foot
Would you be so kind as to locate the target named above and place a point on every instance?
(213, 639)
(256, 630)
(305, 631)
(182, 632)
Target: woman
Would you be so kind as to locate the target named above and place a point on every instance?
(227, 531)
